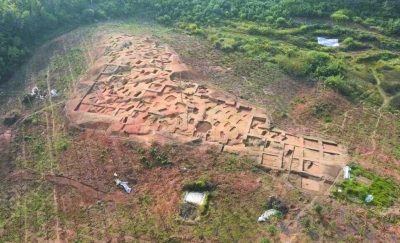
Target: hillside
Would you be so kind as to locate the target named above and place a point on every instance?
(232, 101)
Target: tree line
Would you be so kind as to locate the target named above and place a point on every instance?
(24, 23)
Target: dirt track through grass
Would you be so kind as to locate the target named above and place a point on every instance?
(386, 101)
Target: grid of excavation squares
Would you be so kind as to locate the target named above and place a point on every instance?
(143, 89)
(312, 156)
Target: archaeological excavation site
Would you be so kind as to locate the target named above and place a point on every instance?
(207, 121)
(141, 89)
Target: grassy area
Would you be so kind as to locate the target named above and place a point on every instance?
(294, 48)
(384, 191)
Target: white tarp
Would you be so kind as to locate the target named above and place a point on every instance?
(346, 171)
(124, 185)
(267, 214)
(35, 91)
(53, 93)
(328, 42)
(194, 197)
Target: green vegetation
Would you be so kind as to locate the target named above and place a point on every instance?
(11, 117)
(265, 240)
(200, 185)
(25, 21)
(385, 191)
(272, 230)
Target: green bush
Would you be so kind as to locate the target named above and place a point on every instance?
(317, 59)
(228, 44)
(206, 204)
(332, 69)
(269, 19)
(375, 56)
(334, 82)
(356, 46)
(340, 16)
(256, 30)
(395, 103)
(272, 230)
(391, 88)
(322, 111)
(11, 117)
(27, 99)
(392, 27)
(295, 66)
(198, 186)
(303, 27)
(317, 209)
(357, 19)
(280, 21)
(348, 40)
(265, 240)
(366, 36)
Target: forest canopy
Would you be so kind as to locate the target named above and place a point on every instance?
(25, 23)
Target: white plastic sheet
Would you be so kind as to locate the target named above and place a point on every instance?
(124, 185)
(53, 93)
(194, 197)
(328, 42)
(267, 214)
(346, 171)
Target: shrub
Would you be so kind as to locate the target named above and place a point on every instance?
(277, 204)
(375, 56)
(198, 186)
(334, 82)
(255, 30)
(348, 40)
(317, 59)
(322, 111)
(395, 103)
(269, 19)
(357, 19)
(340, 16)
(265, 240)
(318, 209)
(272, 230)
(370, 21)
(206, 204)
(391, 88)
(27, 98)
(228, 44)
(366, 37)
(11, 117)
(280, 21)
(356, 46)
(295, 66)
(393, 27)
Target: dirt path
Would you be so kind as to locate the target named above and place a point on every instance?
(386, 101)
(50, 141)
